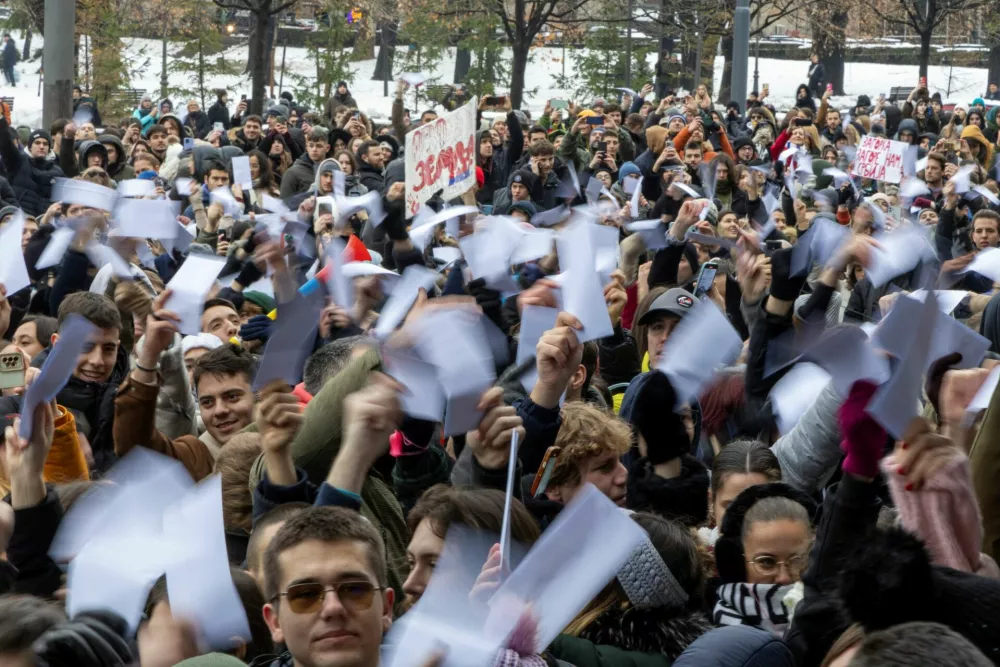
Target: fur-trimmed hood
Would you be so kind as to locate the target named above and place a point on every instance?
(647, 630)
(683, 498)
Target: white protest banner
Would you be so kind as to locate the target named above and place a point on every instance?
(441, 156)
(880, 159)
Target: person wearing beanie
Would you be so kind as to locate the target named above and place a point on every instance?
(146, 113)
(862, 107)
(523, 210)
(30, 172)
(666, 480)
(194, 347)
(744, 150)
(524, 186)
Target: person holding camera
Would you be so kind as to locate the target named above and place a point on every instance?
(696, 131)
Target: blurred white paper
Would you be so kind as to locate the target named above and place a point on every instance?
(241, 172)
(582, 293)
(455, 342)
(290, 344)
(340, 286)
(982, 399)
(413, 78)
(370, 202)
(55, 249)
(576, 557)
(100, 255)
(189, 286)
(199, 584)
(361, 269)
(897, 253)
(699, 346)
(13, 270)
(533, 245)
(986, 263)
(224, 197)
(84, 193)
(447, 254)
(273, 204)
(404, 294)
(795, 393)
(846, 354)
(507, 502)
(535, 321)
(896, 402)
(422, 396)
(634, 202)
(137, 187)
(947, 299)
(74, 334)
(146, 219)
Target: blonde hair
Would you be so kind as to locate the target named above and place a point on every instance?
(586, 432)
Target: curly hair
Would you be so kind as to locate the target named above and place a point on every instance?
(586, 432)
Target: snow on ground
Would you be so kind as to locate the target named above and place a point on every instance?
(541, 76)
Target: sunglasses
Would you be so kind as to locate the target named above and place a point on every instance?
(307, 598)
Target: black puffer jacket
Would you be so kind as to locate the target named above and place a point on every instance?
(647, 630)
(30, 178)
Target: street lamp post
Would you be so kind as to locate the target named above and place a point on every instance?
(741, 53)
(756, 62)
(628, 47)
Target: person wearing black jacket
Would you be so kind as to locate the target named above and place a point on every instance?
(31, 175)
(817, 76)
(371, 162)
(197, 120)
(219, 112)
(498, 163)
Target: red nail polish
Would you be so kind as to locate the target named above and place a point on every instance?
(900, 470)
(909, 486)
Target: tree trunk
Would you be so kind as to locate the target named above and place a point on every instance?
(726, 87)
(201, 72)
(828, 41)
(258, 65)
(519, 61)
(164, 82)
(463, 60)
(994, 64)
(26, 51)
(925, 52)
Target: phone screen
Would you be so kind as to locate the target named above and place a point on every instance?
(188, 143)
(705, 278)
(595, 120)
(219, 127)
(560, 104)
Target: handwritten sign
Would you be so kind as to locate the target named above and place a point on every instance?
(441, 156)
(880, 159)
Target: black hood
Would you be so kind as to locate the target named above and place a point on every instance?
(119, 148)
(89, 146)
(395, 172)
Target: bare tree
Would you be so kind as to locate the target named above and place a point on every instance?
(262, 12)
(924, 17)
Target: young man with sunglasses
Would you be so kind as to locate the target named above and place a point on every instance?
(326, 582)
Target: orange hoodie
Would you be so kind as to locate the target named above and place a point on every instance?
(65, 462)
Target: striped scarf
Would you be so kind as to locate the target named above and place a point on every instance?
(759, 605)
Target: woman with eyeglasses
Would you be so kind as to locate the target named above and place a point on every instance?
(762, 551)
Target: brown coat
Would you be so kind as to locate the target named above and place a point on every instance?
(135, 419)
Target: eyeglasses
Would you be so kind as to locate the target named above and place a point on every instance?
(769, 566)
(308, 598)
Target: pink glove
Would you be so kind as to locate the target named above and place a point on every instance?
(863, 439)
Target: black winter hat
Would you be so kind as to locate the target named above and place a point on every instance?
(740, 143)
(890, 580)
(39, 134)
(863, 101)
(653, 418)
(729, 555)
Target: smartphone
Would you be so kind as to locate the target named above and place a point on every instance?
(829, 87)
(595, 120)
(544, 473)
(493, 100)
(705, 278)
(356, 115)
(188, 143)
(802, 122)
(771, 246)
(11, 370)
(243, 97)
(923, 82)
(602, 147)
(487, 209)
(559, 104)
(227, 233)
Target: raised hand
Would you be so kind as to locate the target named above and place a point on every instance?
(278, 422)
(490, 443)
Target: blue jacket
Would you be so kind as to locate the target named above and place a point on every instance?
(736, 646)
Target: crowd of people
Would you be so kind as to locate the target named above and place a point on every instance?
(564, 317)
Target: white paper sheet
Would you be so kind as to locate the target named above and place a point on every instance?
(986, 263)
(795, 393)
(508, 500)
(241, 172)
(199, 584)
(74, 334)
(847, 356)
(404, 294)
(13, 270)
(576, 556)
(190, 285)
(84, 193)
(982, 399)
(699, 346)
(137, 187)
(56, 248)
(898, 252)
(290, 344)
(582, 293)
(422, 396)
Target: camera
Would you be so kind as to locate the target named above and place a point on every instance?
(712, 127)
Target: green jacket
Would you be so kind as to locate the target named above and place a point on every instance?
(580, 156)
(584, 653)
(316, 445)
